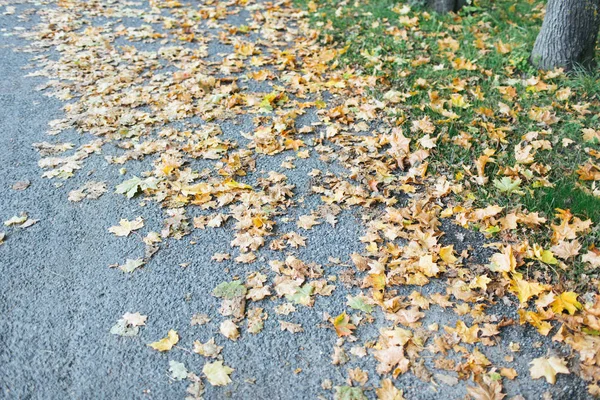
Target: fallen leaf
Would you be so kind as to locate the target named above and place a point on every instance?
(548, 368)
(166, 344)
(217, 373)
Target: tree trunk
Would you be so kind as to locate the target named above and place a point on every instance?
(568, 35)
(444, 6)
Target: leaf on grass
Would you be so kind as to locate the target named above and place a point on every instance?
(217, 373)
(507, 185)
(166, 344)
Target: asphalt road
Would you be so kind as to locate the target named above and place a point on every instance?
(59, 298)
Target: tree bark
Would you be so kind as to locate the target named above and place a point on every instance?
(444, 6)
(568, 35)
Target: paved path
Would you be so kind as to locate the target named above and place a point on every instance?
(59, 298)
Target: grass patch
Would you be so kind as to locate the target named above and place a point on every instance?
(469, 73)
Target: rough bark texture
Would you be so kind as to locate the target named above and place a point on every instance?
(568, 35)
(444, 6)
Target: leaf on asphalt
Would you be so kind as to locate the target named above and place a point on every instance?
(125, 226)
(131, 187)
(131, 265)
(359, 303)
(349, 393)
(16, 220)
(229, 290)
(290, 327)
(229, 329)
(167, 343)
(91, 190)
(342, 325)
(199, 319)
(302, 295)
(21, 185)
(548, 368)
(123, 328)
(135, 319)
(177, 370)
(491, 391)
(388, 391)
(217, 374)
(208, 349)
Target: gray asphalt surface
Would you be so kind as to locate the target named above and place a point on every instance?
(59, 298)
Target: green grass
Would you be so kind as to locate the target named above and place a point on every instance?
(365, 29)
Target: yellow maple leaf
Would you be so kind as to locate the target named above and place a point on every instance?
(166, 344)
(388, 391)
(447, 254)
(525, 290)
(548, 368)
(566, 301)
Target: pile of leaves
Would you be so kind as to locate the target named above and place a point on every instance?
(449, 129)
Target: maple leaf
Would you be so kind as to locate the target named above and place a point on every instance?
(525, 289)
(342, 325)
(503, 262)
(447, 254)
(388, 391)
(167, 343)
(230, 290)
(548, 368)
(592, 257)
(217, 374)
(123, 328)
(565, 249)
(302, 295)
(131, 265)
(125, 226)
(177, 370)
(208, 349)
(290, 327)
(307, 221)
(229, 329)
(508, 185)
(349, 393)
(135, 319)
(566, 301)
(493, 391)
(132, 186)
(358, 303)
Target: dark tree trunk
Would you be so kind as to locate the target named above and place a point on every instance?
(444, 6)
(568, 35)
